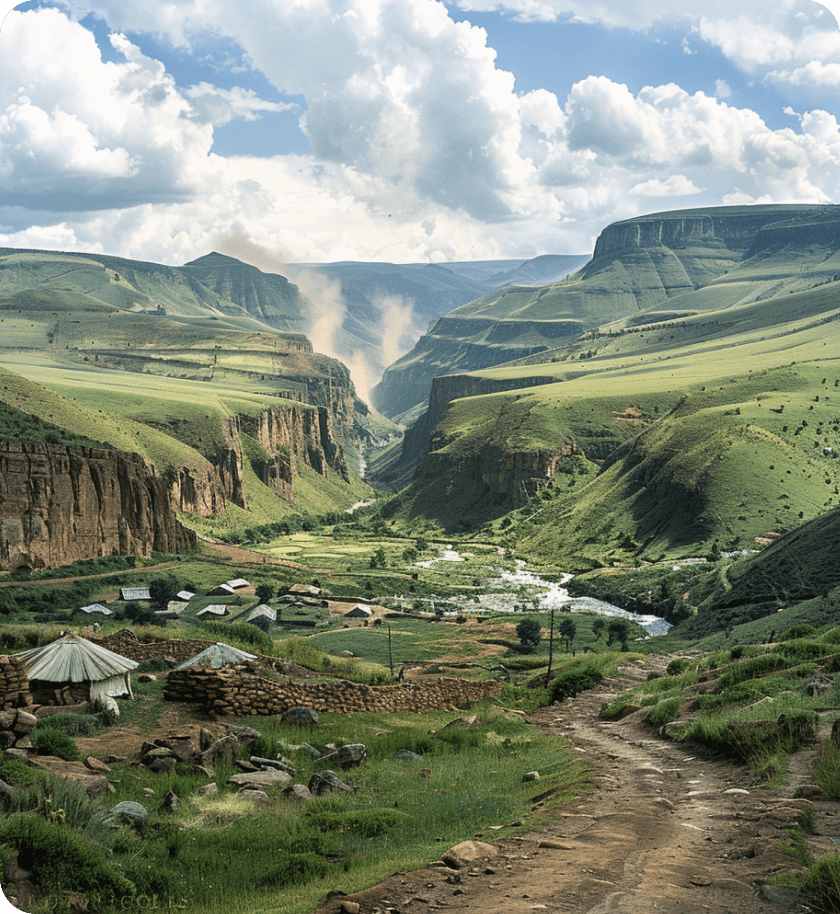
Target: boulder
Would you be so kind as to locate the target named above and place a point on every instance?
(163, 765)
(530, 776)
(157, 752)
(130, 811)
(347, 756)
(7, 739)
(260, 780)
(95, 765)
(406, 755)
(224, 748)
(297, 793)
(280, 764)
(207, 789)
(23, 742)
(24, 722)
(300, 717)
(255, 794)
(328, 782)
(170, 801)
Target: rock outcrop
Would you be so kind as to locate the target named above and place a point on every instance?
(59, 504)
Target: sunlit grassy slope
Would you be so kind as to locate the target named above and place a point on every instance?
(709, 429)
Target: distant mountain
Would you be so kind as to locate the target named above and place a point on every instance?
(651, 265)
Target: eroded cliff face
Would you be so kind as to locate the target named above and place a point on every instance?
(59, 504)
(289, 436)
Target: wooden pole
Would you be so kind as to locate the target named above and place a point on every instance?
(550, 649)
(390, 653)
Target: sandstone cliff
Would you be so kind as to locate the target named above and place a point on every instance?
(59, 504)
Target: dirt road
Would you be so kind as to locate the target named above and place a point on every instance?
(664, 829)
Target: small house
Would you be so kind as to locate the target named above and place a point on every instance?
(135, 594)
(217, 656)
(223, 590)
(73, 669)
(97, 608)
(262, 611)
(359, 611)
(238, 584)
(185, 595)
(214, 609)
(305, 590)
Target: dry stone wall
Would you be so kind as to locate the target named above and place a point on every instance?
(240, 692)
(14, 684)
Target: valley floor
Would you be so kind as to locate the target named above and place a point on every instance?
(664, 829)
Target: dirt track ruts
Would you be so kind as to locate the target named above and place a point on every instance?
(663, 829)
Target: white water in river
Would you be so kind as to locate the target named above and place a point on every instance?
(547, 595)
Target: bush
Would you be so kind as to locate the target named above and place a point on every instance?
(798, 631)
(678, 666)
(369, 823)
(295, 869)
(821, 885)
(827, 770)
(665, 711)
(247, 634)
(54, 742)
(61, 859)
(19, 774)
(71, 724)
(529, 633)
(573, 679)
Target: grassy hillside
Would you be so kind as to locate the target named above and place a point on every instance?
(700, 431)
(644, 270)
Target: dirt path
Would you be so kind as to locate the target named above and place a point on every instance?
(663, 829)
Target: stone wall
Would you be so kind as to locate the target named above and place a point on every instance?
(240, 692)
(14, 684)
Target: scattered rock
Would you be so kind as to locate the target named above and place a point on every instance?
(298, 793)
(130, 811)
(146, 677)
(530, 776)
(280, 764)
(24, 722)
(259, 780)
(328, 782)
(95, 765)
(700, 880)
(627, 710)
(473, 850)
(207, 789)
(254, 793)
(811, 792)
(163, 765)
(300, 716)
(242, 765)
(347, 756)
(170, 801)
(350, 907)
(406, 755)
(157, 752)
(224, 748)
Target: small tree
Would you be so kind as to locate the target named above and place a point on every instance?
(617, 631)
(598, 627)
(379, 559)
(567, 630)
(264, 592)
(409, 555)
(529, 633)
(161, 592)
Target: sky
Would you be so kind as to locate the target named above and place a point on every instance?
(403, 130)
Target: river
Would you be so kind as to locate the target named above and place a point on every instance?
(505, 591)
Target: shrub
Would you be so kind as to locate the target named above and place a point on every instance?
(54, 742)
(62, 859)
(798, 631)
(665, 711)
(750, 669)
(72, 724)
(827, 770)
(249, 635)
(529, 633)
(18, 773)
(573, 679)
(678, 666)
(295, 869)
(821, 885)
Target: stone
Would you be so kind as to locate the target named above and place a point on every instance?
(406, 755)
(163, 765)
(627, 710)
(24, 722)
(300, 717)
(782, 895)
(207, 789)
(298, 793)
(6, 792)
(328, 782)
(149, 792)
(242, 765)
(346, 757)
(260, 780)
(530, 776)
(146, 677)
(254, 793)
(280, 764)
(23, 742)
(7, 739)
(473, 850)
(350, 907)
(157, 752)
(95, 765)
(811, 792)
(130, 812)
(224, 748)
(170, 801)
(245, 735)
(7, 719)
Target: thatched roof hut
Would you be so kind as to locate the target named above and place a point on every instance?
(217, 656)
(75, 668)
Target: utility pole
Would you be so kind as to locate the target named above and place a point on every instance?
(550, 649)
(390, 653)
